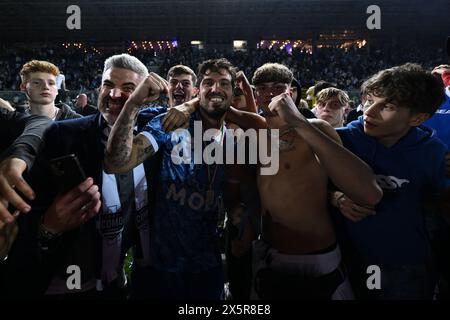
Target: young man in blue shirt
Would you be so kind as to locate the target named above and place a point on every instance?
(409, 162)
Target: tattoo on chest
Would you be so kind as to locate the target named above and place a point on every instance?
(286, 140)
(287, 144)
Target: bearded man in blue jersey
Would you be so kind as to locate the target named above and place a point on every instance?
(185, 256)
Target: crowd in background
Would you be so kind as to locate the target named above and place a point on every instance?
(345, 68)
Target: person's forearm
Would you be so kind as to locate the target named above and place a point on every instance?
(250, 101)
(349, 173)
(120, 141)
(192, 105)
(28, 144)
(246, 120)
(23, 152)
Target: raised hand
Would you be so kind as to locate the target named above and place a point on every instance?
(178, 117)
(284, 107)
(242, 81)
(244, 84)
(441, 69)
(148, 90)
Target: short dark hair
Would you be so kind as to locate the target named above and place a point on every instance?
(215, 65)
(272, 72)
(321, 84)
(409, 85)
(182, 69)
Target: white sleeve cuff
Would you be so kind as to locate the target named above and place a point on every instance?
(151, 139)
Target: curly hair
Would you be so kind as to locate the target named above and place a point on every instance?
(215, 65)
(409, 85)
(272, 72)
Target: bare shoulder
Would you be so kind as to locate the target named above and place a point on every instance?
(326, 128)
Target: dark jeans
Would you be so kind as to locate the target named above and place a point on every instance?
(238, 269)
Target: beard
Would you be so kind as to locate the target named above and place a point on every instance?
(216, 109)
(216, 113)
(113, 106)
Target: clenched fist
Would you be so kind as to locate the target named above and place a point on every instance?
(284, 107)
(148, 90)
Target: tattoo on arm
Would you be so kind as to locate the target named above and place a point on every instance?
(142, 149)
(119, 146)
(120, 142)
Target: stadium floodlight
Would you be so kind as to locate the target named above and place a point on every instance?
(239, 44)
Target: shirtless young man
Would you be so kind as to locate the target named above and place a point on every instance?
(297, 255)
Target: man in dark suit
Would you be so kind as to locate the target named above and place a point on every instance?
(52, 241)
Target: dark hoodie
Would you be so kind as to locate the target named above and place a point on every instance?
(408, 172)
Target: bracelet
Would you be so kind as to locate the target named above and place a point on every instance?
(45, 234)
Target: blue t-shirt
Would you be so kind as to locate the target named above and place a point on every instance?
(184, 236)
(407, 172)
(440, 121)
(147, 114)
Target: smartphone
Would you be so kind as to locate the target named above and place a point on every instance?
(67, 172)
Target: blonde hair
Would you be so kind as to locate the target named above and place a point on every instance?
(328, 93)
